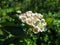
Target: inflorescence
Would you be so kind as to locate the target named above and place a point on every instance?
(34, 19)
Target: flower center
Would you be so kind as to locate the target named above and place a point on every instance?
(36, 30)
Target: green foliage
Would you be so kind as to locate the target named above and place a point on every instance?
(13, 31)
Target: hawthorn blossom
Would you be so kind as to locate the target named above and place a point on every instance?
(29, 13)
(34, 19)
(40, 16)
(36, 29)
(29, 21)
(23, 18)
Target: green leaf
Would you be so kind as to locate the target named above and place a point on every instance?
(1, 32)
(49, 21)
(11, 44)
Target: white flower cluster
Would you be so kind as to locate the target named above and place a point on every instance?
(34, 19)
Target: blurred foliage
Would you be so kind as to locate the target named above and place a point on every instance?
(11, 28)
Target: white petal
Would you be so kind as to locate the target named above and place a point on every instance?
(29, 21)
(20, 16)
(33, 14)
(42, 29)
(29, 11)
(23, 18)
(40, 16)
(43, 20)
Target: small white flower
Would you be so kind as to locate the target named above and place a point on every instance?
(42, 20)
(29, 15)
(36, 30)
(23, 18)
(29, 12)
(24, 14)
(40, 16)
(29, 21)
